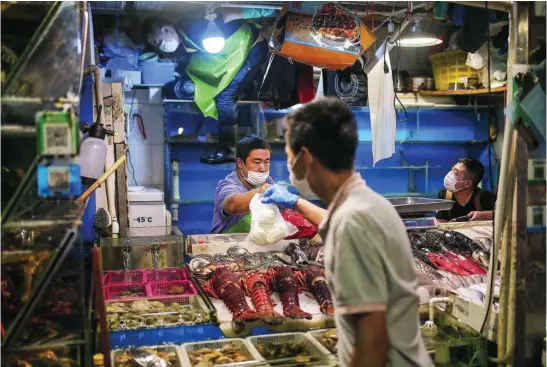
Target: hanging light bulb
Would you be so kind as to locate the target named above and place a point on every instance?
(213, 39)
(418, 38)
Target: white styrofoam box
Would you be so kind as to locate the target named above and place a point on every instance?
(134, 75)
(146, 208)
(140, 161)
(157, 164)
(154, 97)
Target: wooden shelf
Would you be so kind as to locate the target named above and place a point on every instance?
(469, 92)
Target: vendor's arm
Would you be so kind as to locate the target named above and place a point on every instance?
(230, 14)
(488, 201)
(238, 204)
(283, 198)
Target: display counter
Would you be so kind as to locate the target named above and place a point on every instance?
(201, 320)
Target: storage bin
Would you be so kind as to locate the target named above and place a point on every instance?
(118, 359)
(166, 274)
(242, 344)
(122, 277)
(161, 289)
(125, 292)
(449, 67)
(158, 72)
(316, 335)
(314, 348)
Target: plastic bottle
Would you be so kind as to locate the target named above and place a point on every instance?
(98, 360)
(93, 154)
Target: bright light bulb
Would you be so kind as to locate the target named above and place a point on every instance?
(213, 39)
(180, 130)
(214, 45)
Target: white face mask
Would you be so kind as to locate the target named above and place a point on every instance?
(169, 45)
(256, 178)
(450, 182)
(303, 186)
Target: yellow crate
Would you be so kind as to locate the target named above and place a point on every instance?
(449, 67)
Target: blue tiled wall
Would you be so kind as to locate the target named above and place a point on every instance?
(433, 137)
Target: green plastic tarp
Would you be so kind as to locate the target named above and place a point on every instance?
(212, 73)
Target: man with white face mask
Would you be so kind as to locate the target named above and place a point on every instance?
(234, 193)
(368, 260)
(461, 186)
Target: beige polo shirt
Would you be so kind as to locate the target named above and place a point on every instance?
(369, 268)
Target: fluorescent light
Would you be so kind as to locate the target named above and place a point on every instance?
(213, 39)
(417, 38)
(419, 41)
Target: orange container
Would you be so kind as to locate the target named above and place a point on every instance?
(304, 36)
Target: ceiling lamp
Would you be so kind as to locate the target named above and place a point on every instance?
(213, 39)
(418, 38)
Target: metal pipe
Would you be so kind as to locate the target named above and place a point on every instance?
(84, 41)
(432, 302)
(389, 43)
(504, 177)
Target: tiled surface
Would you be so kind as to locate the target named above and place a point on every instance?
(146, 154)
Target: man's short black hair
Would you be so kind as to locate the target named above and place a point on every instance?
(151, 25)
(249, 143)
(474, 169)
(328, 129)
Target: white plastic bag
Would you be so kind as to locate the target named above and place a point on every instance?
(267, 223)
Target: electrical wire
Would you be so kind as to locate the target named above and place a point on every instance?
(384, 22)
(489, 147)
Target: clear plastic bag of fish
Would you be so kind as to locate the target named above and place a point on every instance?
(267, 223)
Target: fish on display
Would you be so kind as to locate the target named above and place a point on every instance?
(426, 270)
(464, 262)
(459, 242)
(298, 256)
(442, 263)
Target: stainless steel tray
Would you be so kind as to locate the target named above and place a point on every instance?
(419, 205)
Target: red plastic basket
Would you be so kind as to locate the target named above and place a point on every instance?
(162, 289)
(125, 291)
(167, 274)
(122, 277)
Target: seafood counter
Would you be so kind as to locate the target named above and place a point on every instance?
(280, 289)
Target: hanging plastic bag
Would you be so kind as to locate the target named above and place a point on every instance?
(267, 224)
(381, 100)
(305, 228)
(279, 87)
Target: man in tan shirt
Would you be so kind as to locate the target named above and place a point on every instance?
(368, 259)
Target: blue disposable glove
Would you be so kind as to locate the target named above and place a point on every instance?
(279, 196)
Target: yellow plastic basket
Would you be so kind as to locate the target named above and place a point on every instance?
(449, 67)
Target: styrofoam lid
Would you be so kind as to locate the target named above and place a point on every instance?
(146, 194)
(136, 188)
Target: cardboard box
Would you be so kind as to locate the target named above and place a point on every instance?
(114, 117)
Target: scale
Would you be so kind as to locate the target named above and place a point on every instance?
(417, 213)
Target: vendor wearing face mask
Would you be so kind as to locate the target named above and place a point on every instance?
(235, 192)
(461, 186)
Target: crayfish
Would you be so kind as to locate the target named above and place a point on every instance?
(285, 282)
(317, 285)
(257, 288)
